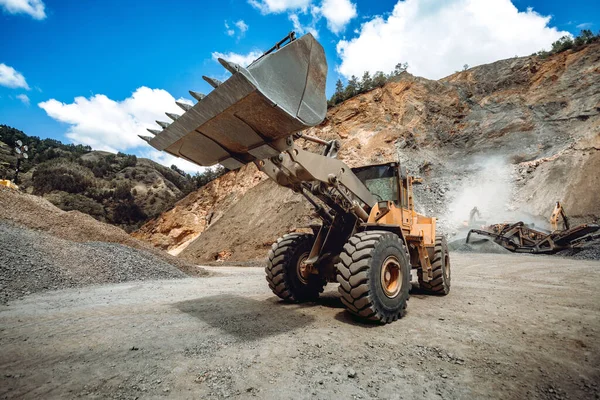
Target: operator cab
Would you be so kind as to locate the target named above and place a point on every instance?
(387, 182)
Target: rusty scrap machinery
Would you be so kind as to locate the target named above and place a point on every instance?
(520, 237)
(370, 236)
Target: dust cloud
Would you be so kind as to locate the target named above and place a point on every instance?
(487, 185)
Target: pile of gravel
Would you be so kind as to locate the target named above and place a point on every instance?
(33, 261)
(590, 251)
(39, 214)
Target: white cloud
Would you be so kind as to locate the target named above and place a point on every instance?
(11, 78)
(34, 8)
(311, 27)
(106, 124)
(242, 59)
(24, 98)
(228, 30)
(242, 26)
(338, 14)
(437, 38)
(279, 6)
(585, 25)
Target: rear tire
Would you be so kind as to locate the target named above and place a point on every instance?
(440, 264)
(283, 269)
(374, 276)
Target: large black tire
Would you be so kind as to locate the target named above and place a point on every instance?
(362, 273)
(283, 269)
(440, 264)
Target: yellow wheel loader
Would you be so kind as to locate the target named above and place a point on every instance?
(9, 184)
(370, 236)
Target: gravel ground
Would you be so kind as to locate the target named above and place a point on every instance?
(513, 327)
(33, 261)
(39, 214)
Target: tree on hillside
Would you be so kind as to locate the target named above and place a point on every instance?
(351, 88)
(178, 170)
(208, 175)
(379, 79)
(366, 83)
(562, 44)
(338, 96)
(585, 36)
(400, 68)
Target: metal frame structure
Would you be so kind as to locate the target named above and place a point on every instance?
(520, 238)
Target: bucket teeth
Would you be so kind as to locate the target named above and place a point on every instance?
(212, 81)
(154, 131)
(183, 106)
(147, 139)
(163, 124)
(229, 66)
(172, 116)
(196, 95)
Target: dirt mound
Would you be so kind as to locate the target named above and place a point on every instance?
(537, 119)
(34, 261)
(251, 225)
(39, 214)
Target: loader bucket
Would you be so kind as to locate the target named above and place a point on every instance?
(248, 116)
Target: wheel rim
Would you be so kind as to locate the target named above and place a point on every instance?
(391, 277)
(301, 269)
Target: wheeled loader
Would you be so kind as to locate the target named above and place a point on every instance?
(370, 236)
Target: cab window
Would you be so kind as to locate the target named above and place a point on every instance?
(381, 181)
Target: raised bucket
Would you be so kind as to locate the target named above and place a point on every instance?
(246, 117)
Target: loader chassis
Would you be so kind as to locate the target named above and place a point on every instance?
(370, 235)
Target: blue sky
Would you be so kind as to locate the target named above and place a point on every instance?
(53, 52)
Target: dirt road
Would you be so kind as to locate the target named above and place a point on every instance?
(512, 327)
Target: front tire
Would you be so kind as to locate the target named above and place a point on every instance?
(440, 265)
(285, 273)
(374, 276)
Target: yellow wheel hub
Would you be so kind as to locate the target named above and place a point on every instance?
(391, 277)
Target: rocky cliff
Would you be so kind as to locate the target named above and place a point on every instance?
(511, 137)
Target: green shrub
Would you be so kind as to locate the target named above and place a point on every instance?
(127, 212)
(562, 44)
(123, 191)
(61, 175)
(69, 201)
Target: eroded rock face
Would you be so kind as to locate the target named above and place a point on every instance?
(533, 122)
(178, 227)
